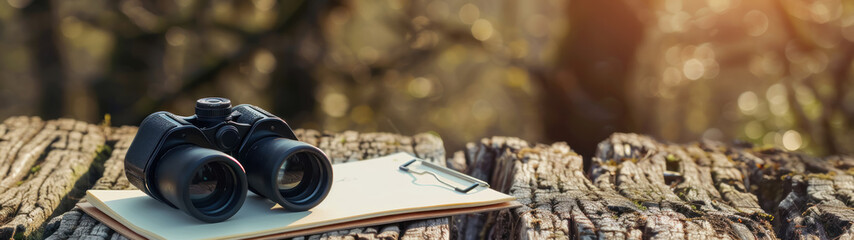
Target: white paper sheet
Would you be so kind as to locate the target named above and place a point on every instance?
(360, 190)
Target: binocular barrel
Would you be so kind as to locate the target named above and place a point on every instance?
(293, 174)
(205, 164)
(204, 183)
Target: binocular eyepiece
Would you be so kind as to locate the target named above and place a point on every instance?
(204, 164)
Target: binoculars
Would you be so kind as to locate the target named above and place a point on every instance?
(204, 164)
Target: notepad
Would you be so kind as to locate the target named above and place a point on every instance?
(363, 193)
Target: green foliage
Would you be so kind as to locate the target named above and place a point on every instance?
(672, 158)
(639, 205)
(102, 153)
(106, 123)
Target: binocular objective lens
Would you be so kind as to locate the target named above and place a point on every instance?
(209, 185)
(203, 184)
(291, 172)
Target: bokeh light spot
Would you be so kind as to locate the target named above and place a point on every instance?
(420, 87)
(748, 102)
(719, 6)
(469, 13)
(792, 140)
(176, 36)
(757, 23)
(335, 104)
(481, 29)
(518, 78)
(776, 94)
(820, 12)
(693, 69)
(264, 62)
(264, 5)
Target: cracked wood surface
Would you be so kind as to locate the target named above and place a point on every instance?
(42, 161)
(639, 188)
(811, 198)
(634, 187)
(341, 147)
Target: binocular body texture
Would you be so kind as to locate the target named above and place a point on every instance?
(204, 164)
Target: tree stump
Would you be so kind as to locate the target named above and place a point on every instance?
(633, 188)
(639, 188)
(46, 167)
(41, 165)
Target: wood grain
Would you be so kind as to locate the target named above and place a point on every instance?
(640, 188)
(635, 187)
(43, 162)
(341, 147)
(811, 197)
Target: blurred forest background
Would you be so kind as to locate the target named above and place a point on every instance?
(771, 72)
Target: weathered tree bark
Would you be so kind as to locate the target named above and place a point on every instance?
(342, 147)
(811, 198)
(638, 188)
(634, 188)
(42, 164)
(75, 224)
(698, 185)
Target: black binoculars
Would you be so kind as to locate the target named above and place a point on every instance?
(203, 164)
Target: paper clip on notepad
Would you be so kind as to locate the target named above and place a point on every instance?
(475, 182)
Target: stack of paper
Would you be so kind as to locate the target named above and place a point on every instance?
(364, 193)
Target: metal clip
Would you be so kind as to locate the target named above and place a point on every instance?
(475, 182)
